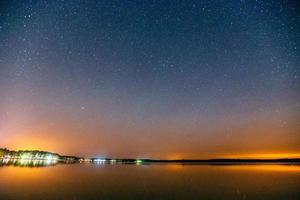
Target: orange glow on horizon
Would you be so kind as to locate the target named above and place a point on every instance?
(265, 156)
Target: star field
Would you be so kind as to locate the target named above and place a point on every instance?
(150, 78)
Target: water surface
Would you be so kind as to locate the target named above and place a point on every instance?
(159, 181)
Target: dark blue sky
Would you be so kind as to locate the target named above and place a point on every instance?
(205, 77)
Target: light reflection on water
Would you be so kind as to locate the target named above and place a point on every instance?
(27, 162)
(150, 181)
(284, 167)
(266, 167)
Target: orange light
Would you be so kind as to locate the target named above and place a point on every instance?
(265, 156)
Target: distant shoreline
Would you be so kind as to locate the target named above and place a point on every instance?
(43, 155)
(222, 160)
(208, 161)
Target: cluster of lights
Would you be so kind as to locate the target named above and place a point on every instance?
(42, 158)
(113, 161)
(31, 157)
(99, 160)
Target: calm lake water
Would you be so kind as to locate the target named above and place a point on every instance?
(159, 181)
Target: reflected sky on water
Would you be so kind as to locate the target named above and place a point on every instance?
(157, 181)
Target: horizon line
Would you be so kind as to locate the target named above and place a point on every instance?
(231, 158)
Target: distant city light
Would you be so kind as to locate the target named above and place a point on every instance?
(138, 161)
(99, 160)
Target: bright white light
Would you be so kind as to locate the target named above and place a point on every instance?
(99, 160)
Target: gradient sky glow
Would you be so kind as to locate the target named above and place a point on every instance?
(159, 79)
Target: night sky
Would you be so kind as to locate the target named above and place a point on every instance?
(158, 79)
